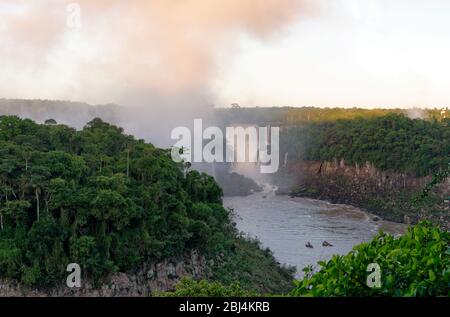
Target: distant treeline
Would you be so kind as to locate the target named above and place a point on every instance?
(75, 114)
(407, 140)
(286, 116)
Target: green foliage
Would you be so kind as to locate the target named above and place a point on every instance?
(287, 116)
(392, 142)
(189, 287)
(109, 202)
(415, 264)
(437, 178)
(242, 262)
(97, 197)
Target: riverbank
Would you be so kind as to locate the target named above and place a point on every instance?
(286, 225)
(385, 194)
(234, 184)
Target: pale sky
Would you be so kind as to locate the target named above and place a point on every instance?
(357, 52)
(367, 53)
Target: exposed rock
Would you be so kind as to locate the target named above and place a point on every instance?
(386, 194)
(234, 184)
(151, 277)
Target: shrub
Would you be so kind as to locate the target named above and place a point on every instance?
(415, 264)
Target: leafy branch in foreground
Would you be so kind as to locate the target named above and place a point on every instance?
(189, 287)
(415, 264)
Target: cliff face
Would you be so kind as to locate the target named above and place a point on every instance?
(234, 184)
(384, 193)
(151, 277)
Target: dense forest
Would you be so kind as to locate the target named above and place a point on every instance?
(392, 142)
(107, 201)
(292, 116)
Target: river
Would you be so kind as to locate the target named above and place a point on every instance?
(286, 224)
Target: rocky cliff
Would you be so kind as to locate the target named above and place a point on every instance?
(387, 194)
(151, 277)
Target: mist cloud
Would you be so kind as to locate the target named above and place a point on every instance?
(130, 52)
(158, 57)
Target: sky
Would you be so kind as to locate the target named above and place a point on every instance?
(365, 53)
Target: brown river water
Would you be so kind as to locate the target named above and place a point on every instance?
(286, 224)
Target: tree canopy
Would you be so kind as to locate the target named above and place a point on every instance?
(392, 142)
(97, 197)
